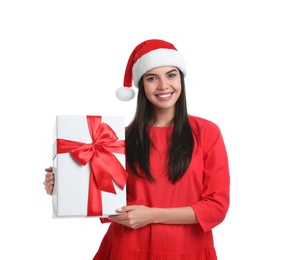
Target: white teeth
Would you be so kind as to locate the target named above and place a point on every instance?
(164, 95)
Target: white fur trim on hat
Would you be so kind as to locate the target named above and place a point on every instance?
(157, 58)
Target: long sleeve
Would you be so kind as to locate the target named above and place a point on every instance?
(213, 204)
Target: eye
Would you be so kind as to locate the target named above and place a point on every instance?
(171, 75)
(151, 78)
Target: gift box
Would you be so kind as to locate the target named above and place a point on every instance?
(89, 166)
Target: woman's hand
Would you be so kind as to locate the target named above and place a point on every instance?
(139, 216)
(133, 216)
(49, 180)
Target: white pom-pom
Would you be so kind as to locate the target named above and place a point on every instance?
(125, 93)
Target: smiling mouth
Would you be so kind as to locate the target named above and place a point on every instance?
(167, 95)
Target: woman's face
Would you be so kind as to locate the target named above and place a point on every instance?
(162, 86)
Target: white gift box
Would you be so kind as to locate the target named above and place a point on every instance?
(72, 179)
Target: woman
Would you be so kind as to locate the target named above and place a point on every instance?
(178, 184)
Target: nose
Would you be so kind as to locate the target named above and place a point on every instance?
(162, 83)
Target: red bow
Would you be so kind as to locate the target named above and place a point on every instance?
(105, 167)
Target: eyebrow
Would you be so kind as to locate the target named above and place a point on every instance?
(154, 74)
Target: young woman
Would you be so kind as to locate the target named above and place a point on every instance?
(178, 183)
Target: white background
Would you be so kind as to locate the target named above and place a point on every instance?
(68, 57)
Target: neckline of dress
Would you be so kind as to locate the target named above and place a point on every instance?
(160, 127)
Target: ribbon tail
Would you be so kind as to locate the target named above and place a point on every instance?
(114, 168)
(119, 174)
(102, 175)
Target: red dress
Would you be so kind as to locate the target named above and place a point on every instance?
(205, 187)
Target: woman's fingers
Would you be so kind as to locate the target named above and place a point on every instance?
(49, 169)
(49, 181)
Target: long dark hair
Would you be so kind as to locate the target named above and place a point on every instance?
(138, 142)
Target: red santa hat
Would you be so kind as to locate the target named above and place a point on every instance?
(146, 56)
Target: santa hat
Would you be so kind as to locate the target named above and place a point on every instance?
(146, 56)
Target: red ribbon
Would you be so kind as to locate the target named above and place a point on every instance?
(105, 167)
